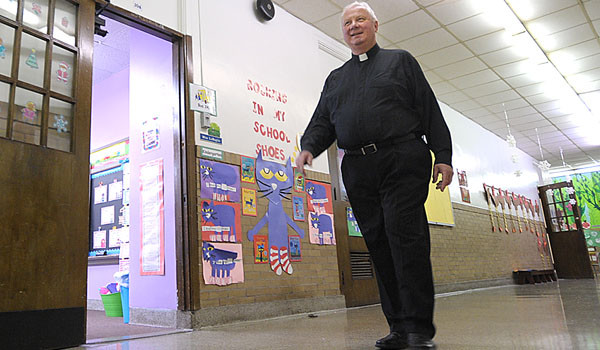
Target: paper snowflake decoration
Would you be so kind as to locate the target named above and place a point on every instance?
(570, 190)
(514, 158)
(518, 173)
(512, 142)
(572, 202)
(543, 165)
(60, 124)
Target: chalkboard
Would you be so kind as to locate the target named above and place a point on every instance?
(108, 210)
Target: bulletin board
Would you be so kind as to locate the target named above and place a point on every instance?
(106, 211)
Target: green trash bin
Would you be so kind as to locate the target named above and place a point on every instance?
(112, 304)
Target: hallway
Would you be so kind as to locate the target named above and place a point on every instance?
(558, 315)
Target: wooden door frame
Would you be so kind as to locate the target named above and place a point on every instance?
(581, 252)
(186, 214)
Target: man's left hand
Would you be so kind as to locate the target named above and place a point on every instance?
(446, 171)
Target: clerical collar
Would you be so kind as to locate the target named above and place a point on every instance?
(369, 54)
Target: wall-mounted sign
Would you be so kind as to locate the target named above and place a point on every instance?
(211, 153)
(203, 99)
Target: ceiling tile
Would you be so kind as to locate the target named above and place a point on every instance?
(428, 2)
(557, 21)
(461, 68)
(516, 122)
(465, 105)
(432, 78)
(487, 119)
(596, 24)
(507, 105)
(388, 10)
(503, 56)
(428, 42)
(540, 98)
(525, 80)
(532, 89)
(487, 89)
(311, 10)
(343, 3)
(497, 98)
(383, 41)
(489, 42)
(581, 50)
(473, 27)
(522, 112)
(476, 113)
(452, 11)
(548, 106)
(442, 88)
(453, 97)
(593, 9)
(445, 56)
(474, 79)
(566, 38)
(331, 26)
(530, 9)
(512, 69)
(408, 26)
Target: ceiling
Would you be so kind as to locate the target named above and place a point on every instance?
(536, 60)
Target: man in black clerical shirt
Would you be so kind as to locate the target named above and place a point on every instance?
(378, 106)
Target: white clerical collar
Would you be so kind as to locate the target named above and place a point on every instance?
(363, 57)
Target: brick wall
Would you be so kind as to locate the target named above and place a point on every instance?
(467, 252)
(315, 276)
(470, 251)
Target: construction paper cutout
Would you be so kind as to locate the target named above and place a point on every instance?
(29, 111)
(2, 49)
(298, 181)
(64, 22)
(298, 208)
(220, 182)
(32, 60)
(353, 229)
(247, 165)
(62, 74)
(318, 197)
(248, 202)
(275, 181)
(295, 248)
(321, 229)
(150, 134)
(261, 245)
(221, 221)
(60, 124)
(36, 8)
(222, 263)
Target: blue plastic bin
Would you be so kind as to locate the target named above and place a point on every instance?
(125, 303)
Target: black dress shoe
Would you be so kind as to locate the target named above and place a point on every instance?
(420, 341)
(394, 340)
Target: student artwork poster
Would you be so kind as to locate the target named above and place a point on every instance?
(222, 263)
(318, 197)
(248, 202)
(219, 181)
(220, 221)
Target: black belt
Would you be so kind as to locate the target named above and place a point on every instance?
(375, 146)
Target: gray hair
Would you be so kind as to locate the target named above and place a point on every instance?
(363, 5)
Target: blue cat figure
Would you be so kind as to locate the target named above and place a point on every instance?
(318, 196)
(223, 217)
(221, 263)
(275, 182)
(323, 223)
(226, 176)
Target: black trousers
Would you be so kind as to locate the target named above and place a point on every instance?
(387, 191)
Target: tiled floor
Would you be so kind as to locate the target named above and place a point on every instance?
(558, 315)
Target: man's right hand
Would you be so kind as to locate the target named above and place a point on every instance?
(305, 157)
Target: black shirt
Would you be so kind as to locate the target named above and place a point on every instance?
(378, 99)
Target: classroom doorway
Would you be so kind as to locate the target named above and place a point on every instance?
(137, 179)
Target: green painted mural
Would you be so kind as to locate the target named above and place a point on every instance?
(587, 191)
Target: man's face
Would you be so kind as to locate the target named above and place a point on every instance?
(359, 30)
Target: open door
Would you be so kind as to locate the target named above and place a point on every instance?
(45, 97)
(357, 275)
(563, 221)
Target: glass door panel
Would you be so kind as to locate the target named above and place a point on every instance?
(27, 116)
(7, 39)
(31, 67)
